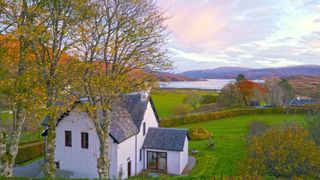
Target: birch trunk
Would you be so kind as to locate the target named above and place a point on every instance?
(49, 168)
(103, 135)
(9, 148)
(103, 160)
(2, 151)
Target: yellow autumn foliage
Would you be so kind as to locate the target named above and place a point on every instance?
(199, 134)
(283, 152)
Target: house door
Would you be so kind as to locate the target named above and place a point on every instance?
(129, 168)
(157, 161)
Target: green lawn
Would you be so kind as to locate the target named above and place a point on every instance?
(166, 99)
(25, 136)
(229, 136)
(5, 115)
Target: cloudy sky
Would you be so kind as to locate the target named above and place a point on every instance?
(249, 33)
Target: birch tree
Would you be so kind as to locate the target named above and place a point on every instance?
(123, 40)
(17, 90)
(54, 66)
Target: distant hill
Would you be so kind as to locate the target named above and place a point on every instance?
(166, 77)
(306, 86)
(218, 73)
(232, 72)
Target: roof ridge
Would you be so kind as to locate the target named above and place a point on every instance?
(184, 129)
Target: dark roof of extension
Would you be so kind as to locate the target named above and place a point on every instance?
(126, 116)
(170, 139)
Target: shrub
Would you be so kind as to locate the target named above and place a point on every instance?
(208, 99)
(181, 110)
(29, 152)
(198, 134)
(256, 128)
(283, 152)
(211, 145)
(192, 99)
(312, 120)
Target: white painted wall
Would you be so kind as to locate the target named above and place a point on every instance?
(81, 161)
(151, 121)
(113, 154)
(75, 158)
(184, 156)
(126, 153)
(173, 161)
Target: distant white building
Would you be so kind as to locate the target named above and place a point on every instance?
(298, 101)
(135, 142)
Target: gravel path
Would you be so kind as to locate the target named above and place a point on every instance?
(34, 170)
(190, 165)
(30, 170)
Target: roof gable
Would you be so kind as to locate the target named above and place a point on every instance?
(137, 104)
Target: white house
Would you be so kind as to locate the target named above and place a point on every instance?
(135, 142)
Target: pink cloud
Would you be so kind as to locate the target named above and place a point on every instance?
(206, 27)
(197, 26)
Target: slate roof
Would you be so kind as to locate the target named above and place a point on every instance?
(126, 117)
(300, 101)
(136, 106)
(170, 139)
(121, 124)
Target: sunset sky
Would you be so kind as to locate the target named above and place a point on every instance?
(249, 33)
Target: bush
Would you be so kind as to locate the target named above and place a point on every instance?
(312, 120)
(198, 134)
(211, 145)
(283, 152)
(181, 110)
(192, 99)
(208, 99)
(256, 128)
(29, 152)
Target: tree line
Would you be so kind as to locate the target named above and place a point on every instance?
(54, 52)
(273, 92)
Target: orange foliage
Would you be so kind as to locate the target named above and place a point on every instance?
(12, 47)
(248, 87)
(11, 59)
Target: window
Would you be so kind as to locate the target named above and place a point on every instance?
(140, 156)
(68, 138)
(84, 140)
(157, 160)
(144, 128)
(57, 165)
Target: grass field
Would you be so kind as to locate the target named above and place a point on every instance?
(166, 99)
(5, 116)
(229, 137)
(25, 136)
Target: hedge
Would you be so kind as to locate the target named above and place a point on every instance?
(29, 152)
(194, 118)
